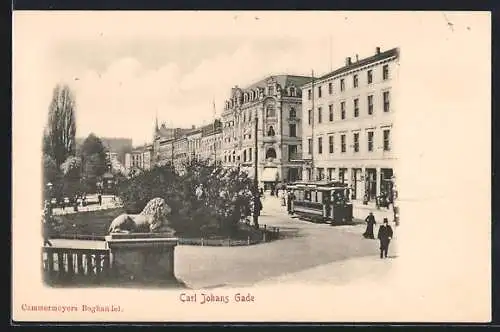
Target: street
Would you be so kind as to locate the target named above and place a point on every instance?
(307, 253)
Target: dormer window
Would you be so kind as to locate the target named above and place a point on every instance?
(293, 92)
(270, 90)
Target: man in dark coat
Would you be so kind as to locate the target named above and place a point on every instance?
(385, 236)
(290, 198)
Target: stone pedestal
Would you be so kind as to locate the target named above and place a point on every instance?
(142, 258)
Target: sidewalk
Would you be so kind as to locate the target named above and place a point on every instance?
(92, 207)
(360, 211)
(339, 272)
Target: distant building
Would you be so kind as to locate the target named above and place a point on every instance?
(349, 123)
(277, 104)
(166, 148)
(211, 142)
(139, 159)
(177, 145)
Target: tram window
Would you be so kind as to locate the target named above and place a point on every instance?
(307, 195)
(319, 196)
(300, 195)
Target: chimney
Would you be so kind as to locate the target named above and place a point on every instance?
(348, 61)
(357, 58)
(377, 50)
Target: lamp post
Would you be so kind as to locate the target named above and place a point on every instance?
(256, 205)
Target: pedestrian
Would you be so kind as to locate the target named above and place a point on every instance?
(283, 197)
(384, 235)
(290, 199)
(46, 219)
(262, 192)
(370, 222)
(99, 198)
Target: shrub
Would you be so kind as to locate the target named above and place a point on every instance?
(205, 198)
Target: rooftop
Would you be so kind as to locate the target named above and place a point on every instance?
(282, 79)
(362, 62)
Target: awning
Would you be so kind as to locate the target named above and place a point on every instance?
(268, 174)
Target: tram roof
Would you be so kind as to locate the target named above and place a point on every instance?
(336, 184)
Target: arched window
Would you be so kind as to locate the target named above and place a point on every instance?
(271, 132)
(293, 92)
(293, 113)
(270, 112)
(271, 153)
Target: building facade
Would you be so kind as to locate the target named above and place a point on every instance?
(167, 147)
(276, 104)
(178, 145)
(348, 125)
(211, 142)
(140, 158)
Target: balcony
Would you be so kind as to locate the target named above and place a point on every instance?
(269, 139)
(294, 119)
(295, 157)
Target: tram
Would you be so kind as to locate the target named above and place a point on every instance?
(325, 202)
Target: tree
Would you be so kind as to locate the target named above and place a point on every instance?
(71, 170)
(50, 170)
(59, 136)
(93, 156)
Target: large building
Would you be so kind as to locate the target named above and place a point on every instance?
(349, 123)
(277, 104)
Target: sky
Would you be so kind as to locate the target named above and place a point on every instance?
(127, 68)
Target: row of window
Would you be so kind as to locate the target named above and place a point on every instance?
(355, 142)
(247, 156)
(254, 95)
(270, 113)
(356, 109)
(355, 82)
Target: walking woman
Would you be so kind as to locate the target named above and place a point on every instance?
(370, 222)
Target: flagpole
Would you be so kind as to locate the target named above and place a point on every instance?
(312, 126)
(215, 134)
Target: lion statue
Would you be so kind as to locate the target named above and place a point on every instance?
(153, 218)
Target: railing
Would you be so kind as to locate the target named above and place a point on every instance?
(72, 265)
